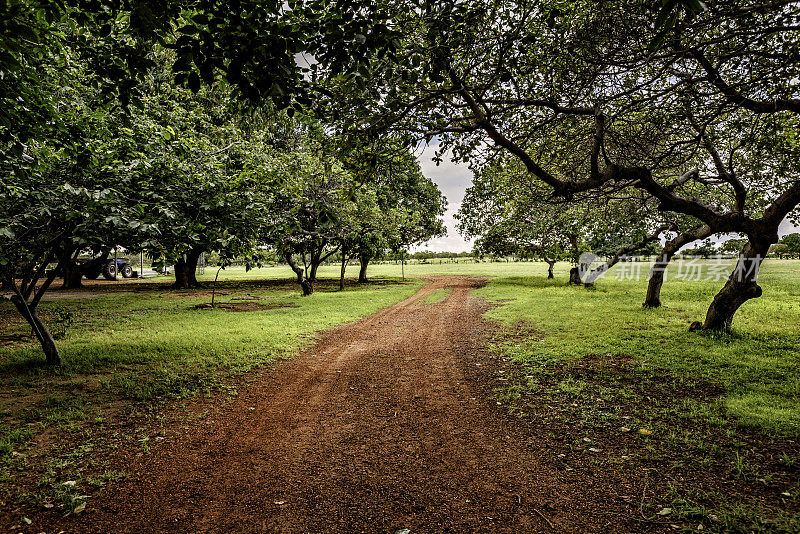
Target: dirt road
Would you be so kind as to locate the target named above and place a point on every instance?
(385, 424)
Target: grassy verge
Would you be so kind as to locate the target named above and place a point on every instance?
(126, 354)
(716, 418)
(437, 295)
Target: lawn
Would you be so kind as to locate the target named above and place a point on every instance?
(756, 365)
(713, 419)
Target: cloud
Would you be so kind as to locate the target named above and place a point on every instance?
(452, 242)
(452, 179)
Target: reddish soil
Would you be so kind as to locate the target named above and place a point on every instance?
(385, 424)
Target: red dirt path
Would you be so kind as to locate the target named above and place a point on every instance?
(385, 424)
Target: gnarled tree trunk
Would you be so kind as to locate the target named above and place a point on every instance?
(306, 284)
(741, 286)
(26, 299)
(550, 265)
(653, 297)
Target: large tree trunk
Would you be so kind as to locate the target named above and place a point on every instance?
(306, 284)
(575, 276)
(73, 275)
(186, 270)
(653, 297)
(70, 270)
(74, 272)
(740, 287)
(181, 280)
(362, 272)
(192, 258)
(315, 261)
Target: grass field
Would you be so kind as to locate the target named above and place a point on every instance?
(724, 406)
(717, 417)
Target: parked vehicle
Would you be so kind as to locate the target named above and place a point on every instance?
(121, 266)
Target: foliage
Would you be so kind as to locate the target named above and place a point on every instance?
(705, 124)
(510, 215)
(792, 243)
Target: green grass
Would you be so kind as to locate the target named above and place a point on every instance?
(715, 417)
(437, 295)
(757, 364)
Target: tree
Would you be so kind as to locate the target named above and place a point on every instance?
(506, 219)
(308, 216)
(510, 215)
(671, 247)
(412, 204)
(732, 246)
(792, 242)
(204, 178)
(58, 196)
(705, 250)
(705, 123)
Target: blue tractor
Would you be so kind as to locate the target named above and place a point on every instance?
(121, 266)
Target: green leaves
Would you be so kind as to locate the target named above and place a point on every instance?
(668, 17)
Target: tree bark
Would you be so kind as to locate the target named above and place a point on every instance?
(186, 270)
(52, 356)
(362, 272)
(28, 310)
(306, 284)
(550, 265)
(741, 286)
(653, 297)
(315, 261)
(575, 276)
(73, 275)
(192, 258)
(181, 280)
(70, 270)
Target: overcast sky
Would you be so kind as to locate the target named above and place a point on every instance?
(452, 180)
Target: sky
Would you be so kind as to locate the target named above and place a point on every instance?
(453, 179)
